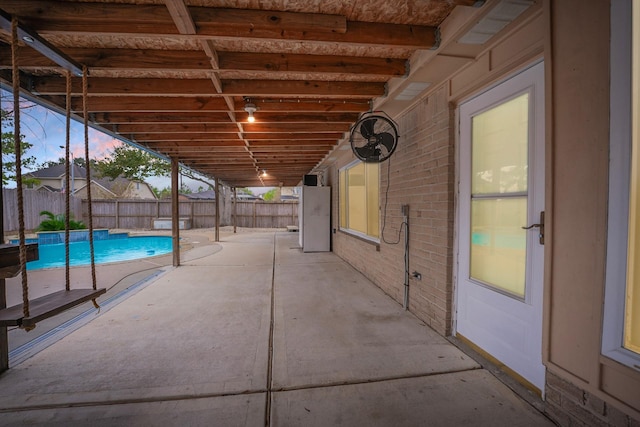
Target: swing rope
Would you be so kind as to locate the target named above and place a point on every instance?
(85, 114)
(15, 76)
(30, 312)
(67, 186)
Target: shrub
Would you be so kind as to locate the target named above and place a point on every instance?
(57, 223)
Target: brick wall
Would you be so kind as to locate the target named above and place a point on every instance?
(421, 174)
(569, 405)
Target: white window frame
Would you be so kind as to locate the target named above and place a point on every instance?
(620, 137)
(360, 234)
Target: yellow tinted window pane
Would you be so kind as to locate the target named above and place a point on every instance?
(357, 203)
(498, 243)
(343, 198)
(632, 304)
(372, 198)
(500, 148)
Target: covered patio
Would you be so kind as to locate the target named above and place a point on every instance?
(258, 333)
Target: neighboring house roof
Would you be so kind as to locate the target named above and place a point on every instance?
(242, 196)
(58, 171)
(202, 195)
(49, 188)
(115, 186)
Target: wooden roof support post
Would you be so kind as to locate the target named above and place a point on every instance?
(217, 193)
(175, 212)
(4, 341)
(235, 211)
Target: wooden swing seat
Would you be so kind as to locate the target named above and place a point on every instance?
(47, 306)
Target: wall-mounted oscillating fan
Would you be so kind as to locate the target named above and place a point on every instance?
(374, 138)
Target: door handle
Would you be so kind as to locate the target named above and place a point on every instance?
(540, 227)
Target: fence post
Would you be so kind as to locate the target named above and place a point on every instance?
(254, 214)
(117, 215)
(235, 211)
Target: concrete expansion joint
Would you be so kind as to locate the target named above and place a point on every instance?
(371, 381)
(90, 403)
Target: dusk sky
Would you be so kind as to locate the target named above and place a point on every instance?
(45, 130)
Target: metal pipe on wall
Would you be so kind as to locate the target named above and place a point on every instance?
(405, 220)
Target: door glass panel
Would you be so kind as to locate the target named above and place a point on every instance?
(499, 183)
(498, 243)
(500, 148)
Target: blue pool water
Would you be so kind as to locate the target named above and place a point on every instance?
(109, 250)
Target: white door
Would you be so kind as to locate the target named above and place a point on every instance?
(500, 264)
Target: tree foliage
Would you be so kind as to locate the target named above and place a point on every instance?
(9, 153)
(133, 164)
(270, 195)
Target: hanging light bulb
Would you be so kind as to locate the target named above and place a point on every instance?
(264, 173)
(250, 108)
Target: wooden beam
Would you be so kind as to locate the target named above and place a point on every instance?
(152, 104)
(181, 17)
(193, 140)
(267, 144)
(115, 59)
(275, 127)
(281, 62)
(34, 41)
(202, 128)
(181, 128)
(51, 17)
(203, 87)
(212, 103)
(169, 117)
(295, 137)
(305, 117)
(254, 88)
(189, 60)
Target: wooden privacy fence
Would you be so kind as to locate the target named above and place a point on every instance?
(34, 203)
(139, 214)
(266, 214)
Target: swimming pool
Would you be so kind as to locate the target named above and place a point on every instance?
(109, 250)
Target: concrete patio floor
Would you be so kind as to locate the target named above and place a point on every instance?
(257, 333)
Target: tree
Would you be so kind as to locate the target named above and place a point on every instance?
(161, 193)
(133, 164)
(270, 195)
(79, 161)
(9, 153)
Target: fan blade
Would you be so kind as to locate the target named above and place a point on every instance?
(365, 152)
(387, 140)
(366, 129)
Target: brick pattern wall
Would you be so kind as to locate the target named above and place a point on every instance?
(570, 406)
(421, 174)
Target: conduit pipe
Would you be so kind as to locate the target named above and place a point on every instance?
(405, 220)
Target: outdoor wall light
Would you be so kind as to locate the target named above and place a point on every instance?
(264, 173)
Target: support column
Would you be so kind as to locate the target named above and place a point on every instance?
(217, 193)
(175, 212)
(4, 340)
(235, 211)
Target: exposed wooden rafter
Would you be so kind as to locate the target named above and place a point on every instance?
(174, 77)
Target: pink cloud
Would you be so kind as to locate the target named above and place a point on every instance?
(101, 145)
